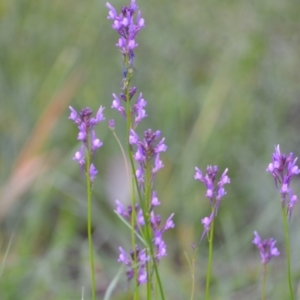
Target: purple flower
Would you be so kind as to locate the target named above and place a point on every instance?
(99, 117)
(95, 142)
(160, 245)
(87, 135)
(283, 168)
(111, 124)
(126, 213)
(215, 191)
(266, 247)
(133, 137)
(116, 104)
(161, 249)
(73, 114)
(138, 260)
(120, 210)
(123, 257)
(154, 201)
(146, 151)
(93, 172)
(158, 164)
(206, 224)
(138, 109)
(79, 156)
(127, 27)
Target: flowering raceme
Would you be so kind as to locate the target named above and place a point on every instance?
(144, 156)
(283, 168)
(87, 136)
(127, 27)
(215, 192)
(266, 247)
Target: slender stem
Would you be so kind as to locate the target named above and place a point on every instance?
(89, 224)
(127, 80)
(209, 264)
(155, 266)
(263, 289)
(287, 247)
(147, 224)
(193, 274)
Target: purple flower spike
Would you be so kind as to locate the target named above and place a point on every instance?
(215, 191)
(283, 168)
(127, 27)
(87, 135)
(266, 247)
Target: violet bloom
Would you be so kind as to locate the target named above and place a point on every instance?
(111, 124)
(93, 172)
(155, 221)
(206, 224)
(138, 259)
(147, 151)
(87, 135)
(137, 111)
(160, 245)
(215, 191)
(127, 213)
(266, 247)
(283, 168)
(127, 23)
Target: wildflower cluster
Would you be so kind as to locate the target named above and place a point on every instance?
(215, 191)
(146, 150)
(266, 247)
(283, 168)
(87, 136)
(145, 161)
(138, 110)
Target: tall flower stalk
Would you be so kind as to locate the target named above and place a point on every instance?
(215, 192)
(144, 160)
(84, 157)
(283, 168)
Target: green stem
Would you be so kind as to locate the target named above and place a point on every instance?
(133, 200)
(287, 247)
(89, 223)
(209, 264)
(263, 289)
(146, 213)
(193, 274)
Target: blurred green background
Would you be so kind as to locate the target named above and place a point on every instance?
(222, 83)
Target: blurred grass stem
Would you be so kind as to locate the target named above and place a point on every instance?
(209, 264)
(287, 249)
(263, 289)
